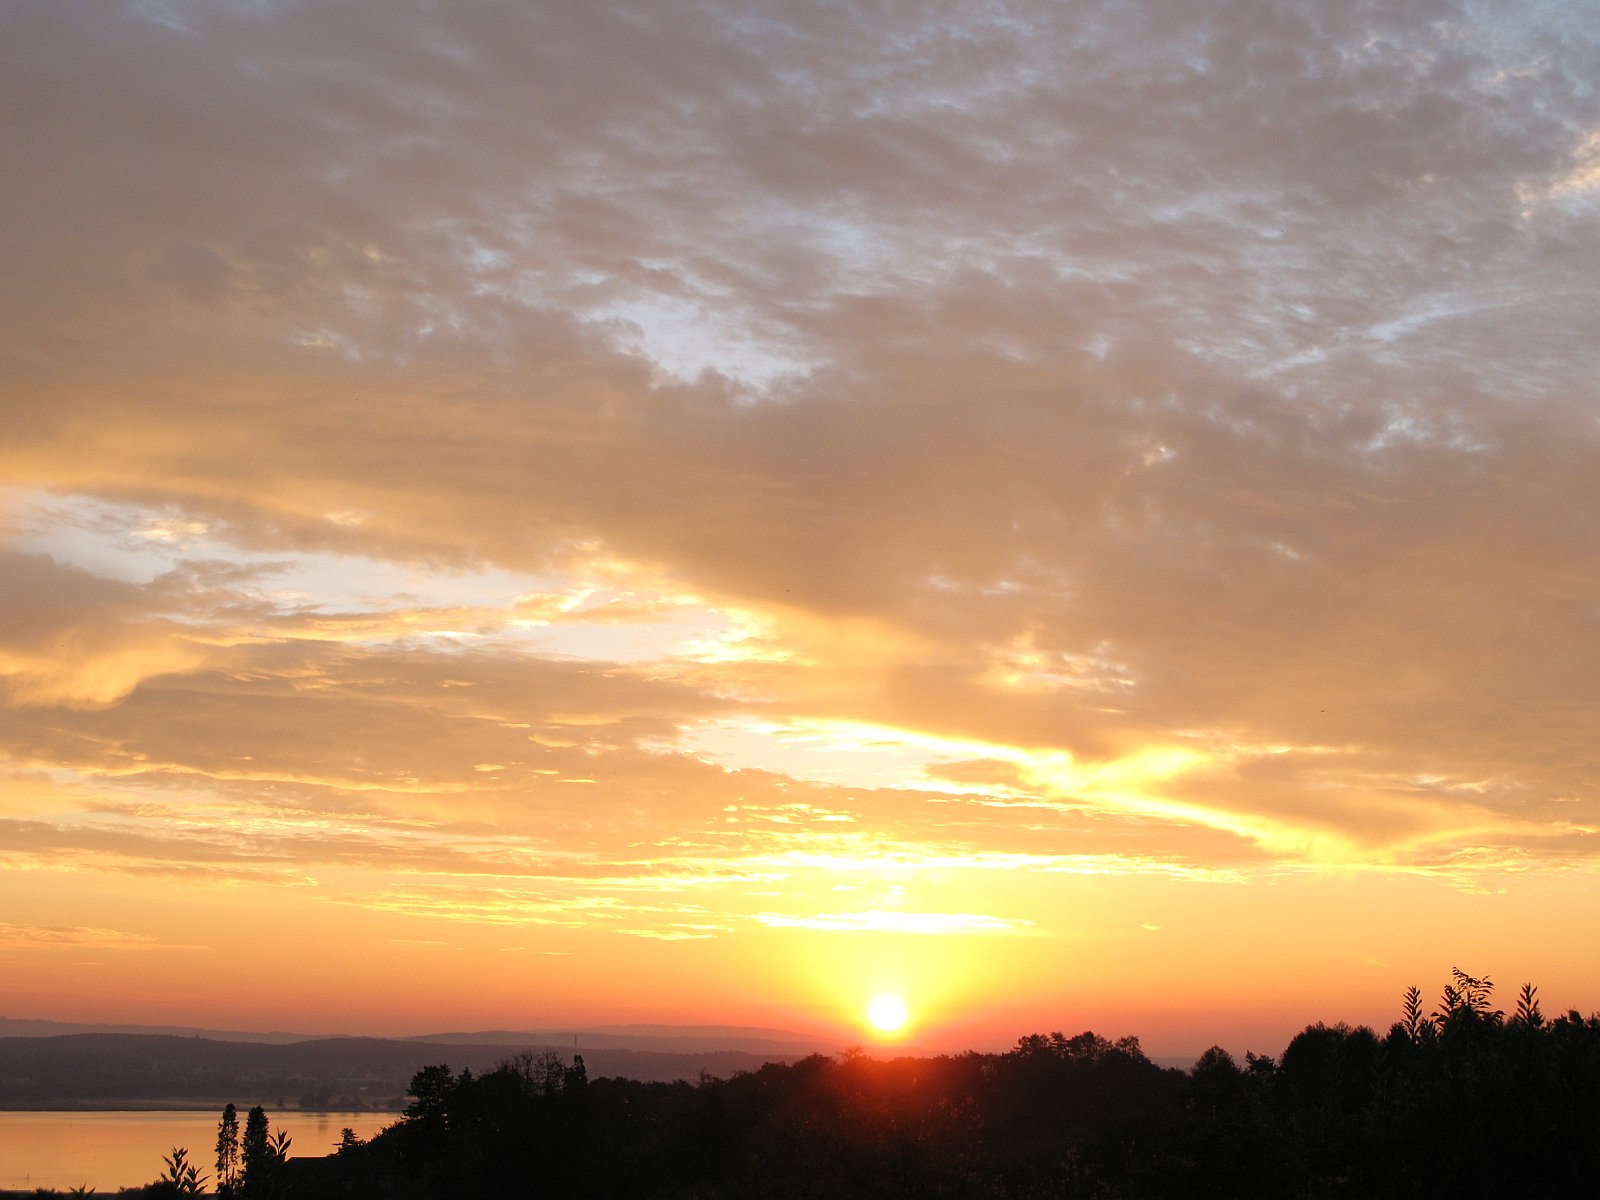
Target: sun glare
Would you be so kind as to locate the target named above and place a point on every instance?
(886, 1013)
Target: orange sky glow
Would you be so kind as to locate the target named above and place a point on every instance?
(522, 516)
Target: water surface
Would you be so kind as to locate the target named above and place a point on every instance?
(111, 1150)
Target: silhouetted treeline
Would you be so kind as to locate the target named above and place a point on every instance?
(1462, 1100)
(110, 1069)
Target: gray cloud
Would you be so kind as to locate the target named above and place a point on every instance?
(1219, 375)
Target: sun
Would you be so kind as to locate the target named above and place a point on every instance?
(886, 1013)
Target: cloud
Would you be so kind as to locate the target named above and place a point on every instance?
(72, 638)
(1164, 429)
(35, 936)
(896, 922)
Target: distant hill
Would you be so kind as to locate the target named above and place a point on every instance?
(11, 1027)
(672, 1039)
(106, 1070)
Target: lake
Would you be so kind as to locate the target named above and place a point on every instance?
(111, 1150)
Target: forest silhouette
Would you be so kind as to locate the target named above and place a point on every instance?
(1462, 1099)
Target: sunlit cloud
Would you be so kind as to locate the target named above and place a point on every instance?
(1075, 465)
(896, 922)
(14, 936)
(488, 906)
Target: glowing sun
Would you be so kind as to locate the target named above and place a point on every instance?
(886, 1013)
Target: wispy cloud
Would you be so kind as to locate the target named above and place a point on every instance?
(32, 935)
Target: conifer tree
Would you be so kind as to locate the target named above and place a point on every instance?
(228, 1154)
(255, 1156)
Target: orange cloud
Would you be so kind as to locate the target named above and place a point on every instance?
(1048, 460)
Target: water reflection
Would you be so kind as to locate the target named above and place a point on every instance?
(111, 1150)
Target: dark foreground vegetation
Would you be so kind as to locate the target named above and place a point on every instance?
(1463, 1100)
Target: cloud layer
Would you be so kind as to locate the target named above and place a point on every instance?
(647, 468)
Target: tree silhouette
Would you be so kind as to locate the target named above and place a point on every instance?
(1461, 1101)
(1413, 1018)
(1467, 999)
(1528, 1014)
(228, 1153)
(430, 1092)
(253, 1154)
(262, 1156)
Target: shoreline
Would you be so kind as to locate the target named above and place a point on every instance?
(186, 1104)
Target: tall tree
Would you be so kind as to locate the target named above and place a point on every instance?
(228, 1153)
(256, 1156)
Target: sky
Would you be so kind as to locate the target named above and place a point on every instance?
(1077, 515)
